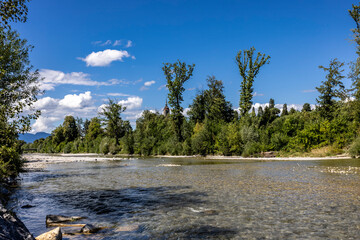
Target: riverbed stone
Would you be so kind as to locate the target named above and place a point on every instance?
(60, 219)
(127, 228)
(54, 234)
(88, 228)
(10, 225)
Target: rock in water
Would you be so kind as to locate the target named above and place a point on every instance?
(54, 234)
(10, 225)
(127, 228)
(59, 219)
(88, 228)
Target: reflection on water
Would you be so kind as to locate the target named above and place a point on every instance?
(196, 198)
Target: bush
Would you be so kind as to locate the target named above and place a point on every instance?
(355, 148)
(252, 148)
(104, 145)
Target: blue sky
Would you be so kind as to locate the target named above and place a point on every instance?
(88, 51)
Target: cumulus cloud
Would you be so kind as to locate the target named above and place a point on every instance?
(132, 102)
(44, 124)
(149, 83)
(76, 101)
(51, 78)
(54, 110)
(104, 58)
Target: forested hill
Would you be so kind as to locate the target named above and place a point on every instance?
(30, 138)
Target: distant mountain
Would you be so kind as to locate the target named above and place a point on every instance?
(29, 137)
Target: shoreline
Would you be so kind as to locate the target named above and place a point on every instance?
(38, 161)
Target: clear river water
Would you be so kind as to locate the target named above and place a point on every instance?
(172, 198)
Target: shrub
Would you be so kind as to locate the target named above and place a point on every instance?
(355, 148)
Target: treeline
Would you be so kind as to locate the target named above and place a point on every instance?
(213, 127)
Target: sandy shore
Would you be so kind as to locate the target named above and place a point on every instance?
(38, 161)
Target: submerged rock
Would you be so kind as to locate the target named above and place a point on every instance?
(127, 228)
(51, 219)
(54, 234)
(88, 228)
(27, 206)
(71, 230)
(10, 225)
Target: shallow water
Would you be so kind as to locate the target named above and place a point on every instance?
(196, 199)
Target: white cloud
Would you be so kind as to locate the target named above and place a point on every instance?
(256, 94)
(104, 58)
(54, 110)
(108, 42)
(96, 42)
(45, 103)
(76, 101)
(129, 44)
(117, 43)
(132, 102)
(162, 86)
(308, 90)
(118, 95)
(149, 83)
(297, 107)
(44, 124)
(51, 78)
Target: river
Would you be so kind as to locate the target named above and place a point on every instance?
(172, 198)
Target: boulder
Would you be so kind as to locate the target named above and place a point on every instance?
(88, 228)
(71, 230)
(10, 225)
(54, 234)
(50, 219)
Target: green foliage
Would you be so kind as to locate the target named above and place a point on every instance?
(94, 129)
(12, 11)
(176, 75)
(306, 107)
(70, 128)
(330, 89)
(211, 104)
(249, 67)
(355, 148)
(18, 88)
(114, 125)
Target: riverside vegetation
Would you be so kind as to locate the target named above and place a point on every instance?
(212, 125)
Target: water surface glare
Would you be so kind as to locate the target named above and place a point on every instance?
(156, 198)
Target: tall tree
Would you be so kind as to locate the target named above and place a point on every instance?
(331, 88)
(94, 129)
(70, 128)
(197, 112)
(113, 122)
(249, 67)
(284, 111)
(176, 75)
(12, 11)
(18, 91)
(211, 103)
(306, 107)
(355, 66)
